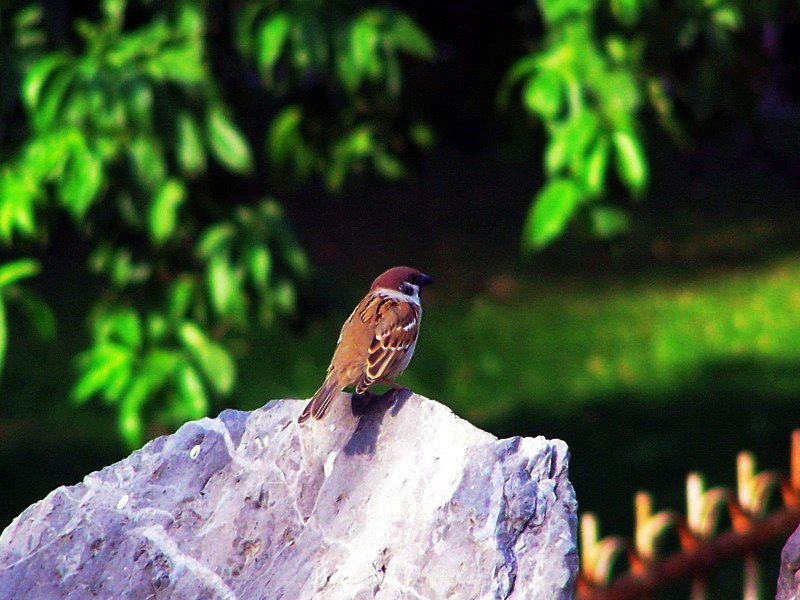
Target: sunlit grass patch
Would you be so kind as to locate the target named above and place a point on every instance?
(556, 349)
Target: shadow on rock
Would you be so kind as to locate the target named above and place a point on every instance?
(370, 411)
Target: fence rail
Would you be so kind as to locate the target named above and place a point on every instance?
(702, 545)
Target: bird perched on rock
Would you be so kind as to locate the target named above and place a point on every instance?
(377, 340)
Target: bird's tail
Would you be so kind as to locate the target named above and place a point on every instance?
(321, 402)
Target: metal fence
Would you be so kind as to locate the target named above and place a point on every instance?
(703, 544)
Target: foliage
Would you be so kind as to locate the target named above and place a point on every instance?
(340, 52)
(137, 124)
(117, 119)
(597, 67)
(38, 312)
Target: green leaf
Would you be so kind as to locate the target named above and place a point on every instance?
(190, 151)
(556, 154)
(101, 257)
(82, 180)
(422, 135)
(21, 188)
(181, 64)
(584, 130)
(157, 328)
(271, 38)
(626, 11)
(3, 333)
(18, 269)
(223, 283)
(214, 361)
(364, 40)
(227, 143)
(519, 70)
(52, 98)
(39, 313)
(120, 266)
(349, 73)
(13, 191)
(543, 94)
(364, 60)
(180, 296)
(117, 384)
(284, 134)
(191, 22)
(122, 325)
(24, 215)
(164, 210)
(135, 48)
(160, 364)
(102, 366)
(409, 37)
(551, 211)
(259, 263)
(617, 48)
(608, 221)
(46, 155)
(148, 160)
(619, 94)
(595, 167)
(631, 161)
(28, 17)
(284, 296)
(130, 414)
(296, 259)
(347, 152)
(140, 98)
(387, 165)
(37, 76)
(727, 17)
(358, 143)
(246, 18)
(555, 10)
(569, 142)
(192, 391)
(157, 366)
(114, 10)
(215, 239)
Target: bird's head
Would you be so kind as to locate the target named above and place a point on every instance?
(402, 280)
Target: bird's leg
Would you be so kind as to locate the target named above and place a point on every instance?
(396, 392)
(391, 384)
(360, 400)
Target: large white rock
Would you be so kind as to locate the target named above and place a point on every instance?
(789, 574)
(410, 502)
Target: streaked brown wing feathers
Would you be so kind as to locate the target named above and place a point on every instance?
(397, 332)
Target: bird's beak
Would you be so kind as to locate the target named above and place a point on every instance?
(425, 279)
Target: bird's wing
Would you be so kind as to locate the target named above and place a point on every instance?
(395, 334)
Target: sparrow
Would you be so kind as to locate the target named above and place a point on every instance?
(377, 339)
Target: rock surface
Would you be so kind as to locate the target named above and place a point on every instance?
(789, 576)
(407, 501)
